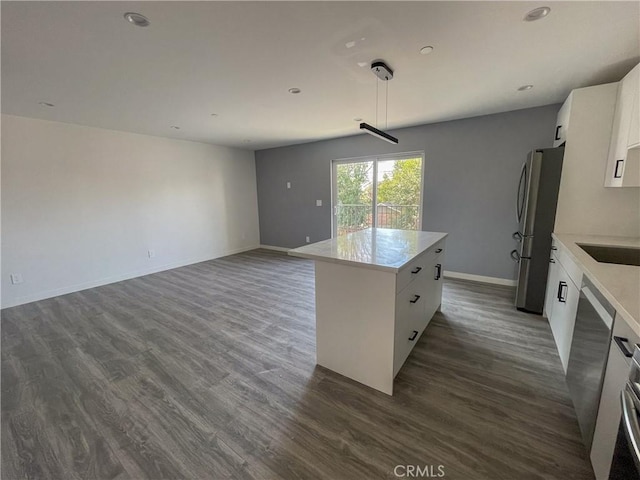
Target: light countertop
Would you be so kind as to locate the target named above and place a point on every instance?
(378, 248)
(620, 284)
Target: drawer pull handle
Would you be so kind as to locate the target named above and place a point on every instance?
(561, 293)
(551, 260)
(620, 341)
(554, 247)
(438, 272)
(417, 270)
(438, 250)
(415, 299)
(413, 335)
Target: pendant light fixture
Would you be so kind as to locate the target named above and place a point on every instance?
(384, 73)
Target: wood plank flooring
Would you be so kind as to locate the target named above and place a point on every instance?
(208, 372)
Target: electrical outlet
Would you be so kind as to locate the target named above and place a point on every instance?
(16, 278)
(151, 253)
(308, 239)
(318, 203)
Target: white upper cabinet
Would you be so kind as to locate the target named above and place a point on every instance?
(562, 122)
(623, 164)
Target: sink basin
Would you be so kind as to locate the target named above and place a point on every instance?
(617, 255)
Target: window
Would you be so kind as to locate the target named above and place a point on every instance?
(382, 192)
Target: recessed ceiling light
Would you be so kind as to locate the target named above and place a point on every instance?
(357, 119)
(426, 50)
(137, 19)
(537, 14)
(175, 127)
(294, 90)
(46, 104)
(350, 44)
(363, 64)
(525, 87)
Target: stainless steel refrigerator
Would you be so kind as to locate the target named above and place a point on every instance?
(536, 203)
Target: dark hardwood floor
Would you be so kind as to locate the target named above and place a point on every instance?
(207, 372)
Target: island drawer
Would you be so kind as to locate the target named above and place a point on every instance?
(410, 319)
(420, 267)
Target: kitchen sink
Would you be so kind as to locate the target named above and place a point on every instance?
(617, 255)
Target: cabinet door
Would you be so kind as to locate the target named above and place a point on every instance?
(631, 177)
(609, 412)
(552, 283)
(563, 314)
(621, 129)
(434, 291)
(562, 123)
(434, 288)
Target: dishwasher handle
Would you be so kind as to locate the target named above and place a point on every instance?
(620, 341)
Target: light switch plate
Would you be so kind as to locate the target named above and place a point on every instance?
(16, 279)
(318, 203)
(288, 184)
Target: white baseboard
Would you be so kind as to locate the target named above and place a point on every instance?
(480, 278)
(34, 297)
(277, 249)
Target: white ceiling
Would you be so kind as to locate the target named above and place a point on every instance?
(238, 59)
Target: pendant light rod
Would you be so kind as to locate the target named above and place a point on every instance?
(377, 96)
(386, 108)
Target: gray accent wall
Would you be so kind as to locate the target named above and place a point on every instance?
(471, 175)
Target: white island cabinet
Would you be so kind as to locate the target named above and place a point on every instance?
(376, 291)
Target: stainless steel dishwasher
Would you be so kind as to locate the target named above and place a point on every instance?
(588, 356)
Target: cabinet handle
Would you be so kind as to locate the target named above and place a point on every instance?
(438, 250)
(438, 272)
(415, 299)
(551, 260)
(561, 297)
(615, 173)
(553, 247)
(620, 341)
(413, 335)
(417, 270)
(558, 132)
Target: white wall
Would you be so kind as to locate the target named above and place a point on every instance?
(82, 206)
(585, 205)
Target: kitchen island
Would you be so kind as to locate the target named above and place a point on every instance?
(376, 291)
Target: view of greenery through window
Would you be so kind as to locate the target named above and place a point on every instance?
(398, 194)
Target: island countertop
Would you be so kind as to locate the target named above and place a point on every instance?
(377, 248)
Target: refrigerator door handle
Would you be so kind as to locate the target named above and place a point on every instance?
(519, 206)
